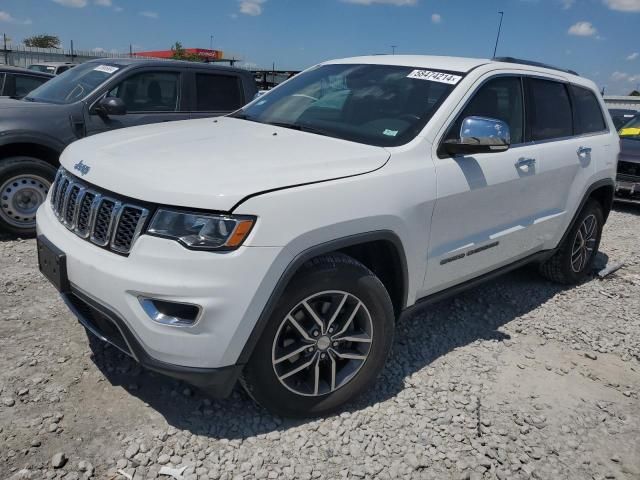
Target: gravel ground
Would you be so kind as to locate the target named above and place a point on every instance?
(517, 379)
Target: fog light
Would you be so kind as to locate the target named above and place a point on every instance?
(175, 314)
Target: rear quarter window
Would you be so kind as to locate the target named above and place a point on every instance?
(587, 115)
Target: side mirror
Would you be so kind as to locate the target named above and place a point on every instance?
(480, 135)
(111, 106)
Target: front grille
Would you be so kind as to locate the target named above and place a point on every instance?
(629, 169)
(104, 219)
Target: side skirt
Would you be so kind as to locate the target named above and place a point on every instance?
(537, 257)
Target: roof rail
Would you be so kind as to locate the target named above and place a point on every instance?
(533, 64)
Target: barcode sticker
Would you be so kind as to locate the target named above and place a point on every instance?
(106, 69)
(440, 77)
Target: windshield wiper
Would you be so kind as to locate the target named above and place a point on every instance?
(303, 128)
(29, 99)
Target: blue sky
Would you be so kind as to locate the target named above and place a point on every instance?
(598, 38)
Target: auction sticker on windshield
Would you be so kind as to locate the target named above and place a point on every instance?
(440, 77)
(106, 69)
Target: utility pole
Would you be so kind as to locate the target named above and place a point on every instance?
(72, 55)
(495, 49)
(6, 53)
(210, 42)
(130, 51)
(393, 49)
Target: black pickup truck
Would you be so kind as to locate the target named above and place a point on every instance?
(95, 97)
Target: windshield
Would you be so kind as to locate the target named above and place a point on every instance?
(631, 128)
(74, 84)
(42, 68)
(379, 105)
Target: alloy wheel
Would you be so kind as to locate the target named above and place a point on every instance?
(322, 343)
(584, 243)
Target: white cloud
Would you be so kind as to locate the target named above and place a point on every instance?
(98, 50)
(583, 29)
(436, 18)
(623, 5)
(398, 3)
(251, 7)
(633, 56)
(103, 3)
(118, 9)
(72, 3)
(567, 4)
(6, 17)
(625, 77)
(150, 14)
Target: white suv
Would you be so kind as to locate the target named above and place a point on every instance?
(279, 245)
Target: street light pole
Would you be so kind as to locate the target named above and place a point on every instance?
(393, 49)
(210, 42)
(495, 49)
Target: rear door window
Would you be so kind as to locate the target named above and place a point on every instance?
(215, 93)
(587, 115)
(549, 110)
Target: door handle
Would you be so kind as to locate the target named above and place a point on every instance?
(584, 151)
(525, 162)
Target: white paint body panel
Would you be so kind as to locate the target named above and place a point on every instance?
(307, 190)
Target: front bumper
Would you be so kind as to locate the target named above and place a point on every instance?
(627, 189)
(231, 288)
(107, 326)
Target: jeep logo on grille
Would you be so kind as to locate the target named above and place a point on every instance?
(82, 168)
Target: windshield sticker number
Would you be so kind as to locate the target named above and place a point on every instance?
(390, 133)
(439, 77)
(106, 69)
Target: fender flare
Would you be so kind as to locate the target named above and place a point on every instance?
(306, 255)
(604, 182)
(25, 136)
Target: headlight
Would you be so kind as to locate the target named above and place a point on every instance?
(201, 231)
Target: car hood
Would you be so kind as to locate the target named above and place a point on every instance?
(10, 105)
(214, 163)
(630, 149)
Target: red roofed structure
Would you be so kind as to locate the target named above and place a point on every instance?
(204, 53)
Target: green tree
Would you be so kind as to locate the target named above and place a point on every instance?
(179, 53)
(635, 93)
(42, 41)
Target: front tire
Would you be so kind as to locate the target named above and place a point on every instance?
(574, 259)
(24, 184)
(326, 341)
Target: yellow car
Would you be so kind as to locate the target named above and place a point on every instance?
(631, 128)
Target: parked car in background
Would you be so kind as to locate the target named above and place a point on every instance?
(95, 97)
(620, 116)
(54, 68)
(631, 128)
(16, 82)
(628, 178)
(278, 245)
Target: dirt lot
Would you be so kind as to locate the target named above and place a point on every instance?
(516, 379)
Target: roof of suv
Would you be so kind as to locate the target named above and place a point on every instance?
(126, 62)
(452, 64)
(12, 69)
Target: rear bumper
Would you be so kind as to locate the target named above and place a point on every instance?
(109, 327)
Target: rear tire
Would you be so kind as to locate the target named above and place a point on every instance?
(24, 184)
(326, 341)
(574, 259)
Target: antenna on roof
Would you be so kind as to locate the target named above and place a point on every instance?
(495, 49)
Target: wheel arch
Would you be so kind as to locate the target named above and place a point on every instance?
(602, 191)
(31, 146)
(363, 247)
